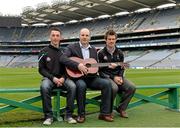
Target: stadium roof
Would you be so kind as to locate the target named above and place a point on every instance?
(61, 11)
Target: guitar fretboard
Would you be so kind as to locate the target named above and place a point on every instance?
(105, 64)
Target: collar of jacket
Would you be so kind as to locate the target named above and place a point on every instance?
(52, 47)
(81, 46)
(116, 49)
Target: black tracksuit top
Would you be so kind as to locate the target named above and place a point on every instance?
(52, 62)
(105, 57)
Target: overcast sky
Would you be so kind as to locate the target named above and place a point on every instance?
(14, 7)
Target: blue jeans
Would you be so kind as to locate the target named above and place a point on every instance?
(46, 89)
(94, 83)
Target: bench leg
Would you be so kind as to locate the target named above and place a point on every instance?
(57, 107)
(117, 101)
(173, 98)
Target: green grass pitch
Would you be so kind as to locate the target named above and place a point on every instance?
(145, 115)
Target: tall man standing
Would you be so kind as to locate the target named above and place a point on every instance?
(110, 54)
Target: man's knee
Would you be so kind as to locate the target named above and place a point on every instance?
(130, 85)
(115, 89)
(133, 89)
(107, 84)
(70, 85)
(45, 86)
(81, 86)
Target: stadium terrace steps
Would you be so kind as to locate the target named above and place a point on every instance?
(174, 51)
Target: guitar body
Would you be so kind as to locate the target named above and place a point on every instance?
(87, 63)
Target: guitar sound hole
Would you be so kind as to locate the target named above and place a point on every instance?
(88, 65)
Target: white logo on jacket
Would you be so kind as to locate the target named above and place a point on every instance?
(105, 58)
(48, 59)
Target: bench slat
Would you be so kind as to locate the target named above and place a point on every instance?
(22, 90)
(158, 86)
(18, 90)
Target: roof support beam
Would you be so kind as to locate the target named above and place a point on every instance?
(139, 3)
(108, 5)
(77, 13)
(173, 1)
(50, 14)
(91, 10)
(33, 18)
(55, 19)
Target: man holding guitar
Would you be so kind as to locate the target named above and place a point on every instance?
(111, 54)
(83, 50)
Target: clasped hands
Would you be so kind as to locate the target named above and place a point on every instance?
(58, 81)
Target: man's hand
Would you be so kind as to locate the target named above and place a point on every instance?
(61, 81)
(55, 80)
(113, 65)
(58, 81)
(83, 69)
(118, 80)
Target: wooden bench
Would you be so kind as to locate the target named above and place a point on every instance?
(171, 90)
(12, 104)
(26, 103)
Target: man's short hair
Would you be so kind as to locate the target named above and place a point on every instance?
(110, 32)
(54, 29)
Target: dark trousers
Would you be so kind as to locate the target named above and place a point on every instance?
(94, 83)
(46, 89)
(127, 90)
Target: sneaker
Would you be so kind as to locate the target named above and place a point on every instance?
(48, 121)
(70, 120)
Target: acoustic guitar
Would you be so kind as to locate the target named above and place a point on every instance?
(92, 66)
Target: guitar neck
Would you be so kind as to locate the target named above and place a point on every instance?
(105, 64)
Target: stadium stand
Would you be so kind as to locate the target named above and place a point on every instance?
(149, 39)
(168, 18)
(172, 61)
(150, 58)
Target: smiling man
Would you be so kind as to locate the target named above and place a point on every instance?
(84, 50)
(115, 73)
(52, 67)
